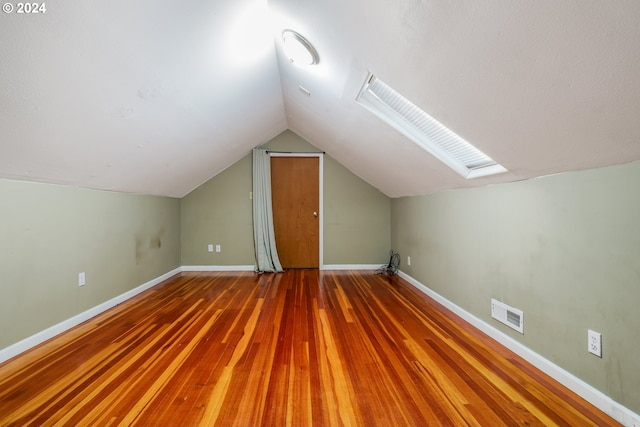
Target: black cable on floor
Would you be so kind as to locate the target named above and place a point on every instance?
(393, 266)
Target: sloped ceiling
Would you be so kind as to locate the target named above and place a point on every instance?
(156, 97)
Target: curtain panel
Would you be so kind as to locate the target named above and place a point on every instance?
(263, 235)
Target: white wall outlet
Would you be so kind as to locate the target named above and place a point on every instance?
(210, 248)
(594, 343)
(218, 248)
(408, 260)
(81, 279)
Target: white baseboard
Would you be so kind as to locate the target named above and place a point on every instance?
(218, 268)
(350, 267)
(40, 337)
(252, 268)
(589, 393)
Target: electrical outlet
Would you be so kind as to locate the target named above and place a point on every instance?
(81, 279)
(594, 343)
(218, 248)
(408, 260)
(210, 248)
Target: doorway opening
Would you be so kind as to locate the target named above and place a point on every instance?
(297, 200)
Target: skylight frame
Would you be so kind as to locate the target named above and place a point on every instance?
(425, 131)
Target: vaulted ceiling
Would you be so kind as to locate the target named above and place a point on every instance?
(156, 97)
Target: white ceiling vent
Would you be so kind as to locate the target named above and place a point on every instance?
(425, 131)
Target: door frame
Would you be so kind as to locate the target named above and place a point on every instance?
(320, 157)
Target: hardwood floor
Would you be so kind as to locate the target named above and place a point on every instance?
(299, 348)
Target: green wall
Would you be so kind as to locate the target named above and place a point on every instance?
(219, 213)
(357, 217)
(50, 233)
(565, 249)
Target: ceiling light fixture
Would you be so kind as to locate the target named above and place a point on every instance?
(298, 49)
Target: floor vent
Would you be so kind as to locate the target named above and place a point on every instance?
(512, 317)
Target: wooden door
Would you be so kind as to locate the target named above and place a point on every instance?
(295, 193)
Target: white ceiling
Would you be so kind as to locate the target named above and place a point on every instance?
(156, 97)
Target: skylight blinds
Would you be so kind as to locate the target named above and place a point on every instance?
(426, 131)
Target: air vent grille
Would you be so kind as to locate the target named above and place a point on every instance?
(512, 317)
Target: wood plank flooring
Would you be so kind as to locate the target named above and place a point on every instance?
(300, 348)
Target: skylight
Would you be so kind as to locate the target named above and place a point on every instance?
(425, 131)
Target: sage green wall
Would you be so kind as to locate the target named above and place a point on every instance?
(219, 213)
(50, 233)
(565, 249)
(357, 217)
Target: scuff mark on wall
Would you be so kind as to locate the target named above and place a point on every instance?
(146, 244)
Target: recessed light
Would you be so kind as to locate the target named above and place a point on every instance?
(298, 49)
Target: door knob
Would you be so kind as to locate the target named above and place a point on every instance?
(315, 214)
